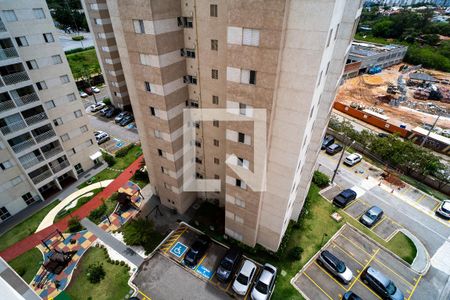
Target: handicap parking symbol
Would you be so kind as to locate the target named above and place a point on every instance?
(202, 270)
(179, 249)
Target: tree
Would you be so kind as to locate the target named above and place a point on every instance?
(95, 273)
(140, 232)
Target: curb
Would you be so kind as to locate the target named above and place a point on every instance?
(418, 244)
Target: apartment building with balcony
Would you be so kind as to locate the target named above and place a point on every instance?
(284, 56)
(45, 138)
(99, 22)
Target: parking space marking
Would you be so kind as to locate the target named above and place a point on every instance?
(381, 221)
(145, 296)
(421, 198)
(328, 274)
(395, 273)
(357, 246)
(369, 289)
(325, 293)
(359, 274)
(177, 237)
(414, 288)
(348, 253)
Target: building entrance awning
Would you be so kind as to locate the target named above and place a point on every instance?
(95, 155)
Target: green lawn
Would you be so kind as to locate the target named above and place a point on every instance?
(113, 286)
(80, 202)
(83, 63)
(27, 264)
(24, 229)
(121, 164)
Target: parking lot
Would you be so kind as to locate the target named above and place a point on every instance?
(358, 252)
(199, 282)
(385, 228)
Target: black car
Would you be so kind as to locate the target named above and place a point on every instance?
(126, 120)
(196, 251)
(344, 198)
(333, 149)
(111, 112)
(350, 296)
(328, 140)
(228, 264)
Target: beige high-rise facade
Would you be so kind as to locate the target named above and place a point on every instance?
(45, 137)
(285, 56)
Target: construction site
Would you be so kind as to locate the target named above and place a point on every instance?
(402, 95)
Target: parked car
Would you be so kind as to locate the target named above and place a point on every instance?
(95, 89)
(265, 283)
(335, 266)
(381, 285)
(97, 106)
(333, 149)
(98, 132)
(371, 216)
(102, 137)
(111, 112)
(244, 278)
(353, 159)
(126, 120)
(88, 91)
(228, 264)
(197, 251)
(120, 116)
(344, 197)
(328, 140)
(383, 135)
(444, 210)
(83, 94)
(350, 296)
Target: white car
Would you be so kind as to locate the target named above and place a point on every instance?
(244, 278)
(102, 137)
(353, 159)
(83, 94)
(96, 107)
(265, 283)
(95, 89)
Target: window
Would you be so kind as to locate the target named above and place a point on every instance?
(213, 10)
(157, 133)
(238, 182)
(312, 111)
(78, 169)
(57, 122)
(65, 137)
(71, 97)
(139, 26)
(72, 152)
(216, 143)
(10, 15)
(77, 113)
(64, 79)
(48, 37)
(198, 144)
(21, 41)
(5, 165)
(248, 76)
(38, 13)
(189, 79)
(152, 111)
(240, 202)
(328, 67)
(56, 59)
(185, 22)
(28, 198)
(250, 37)
(41, 85)
(337, 31)
(215, 74)
(216, 123)
(238, 219)
(147, 86)
(216, 161)
(241, 137)
(32, 65)
(242, 109)
(16, 180)
(160, 152)
(187, 53)
(216, 176)
(214, 45)
(329, 37)
(50, 104)
(84, 128)
(198, 160)
(215, 100)
(4, 213)
(320, 78)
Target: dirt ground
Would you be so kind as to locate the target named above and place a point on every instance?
(366, 90)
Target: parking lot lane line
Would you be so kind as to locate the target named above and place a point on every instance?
(381, 221)
(318, 286)
(349, 253)
(395, 273)
(328, 274)
(420, 199)
(357, 246)
(176, 239)
(200, 262)
(359, 274)
(353, 203)
(436, 206)
(369, 289)
(145, 296)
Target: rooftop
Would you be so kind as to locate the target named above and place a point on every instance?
(364, 49)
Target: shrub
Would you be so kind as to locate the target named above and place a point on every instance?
(107, 101)
(76, 50)
(320, 179)
(95, 273)
(97, 214)
(139, 232)
(141, 176)
(122, 263)
(296, 253)
(110, 160)
(74, 224)
(124, 151)
(78, 38)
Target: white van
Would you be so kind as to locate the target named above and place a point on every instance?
(353, 159)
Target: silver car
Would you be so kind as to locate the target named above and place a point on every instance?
(444, 210)
(335, 266)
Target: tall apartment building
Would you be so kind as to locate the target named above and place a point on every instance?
(45, 138)
(99, 22)
(285, 56)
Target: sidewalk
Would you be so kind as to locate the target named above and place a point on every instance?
(33, 240)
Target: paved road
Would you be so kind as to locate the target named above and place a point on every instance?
(69, 44)
(433, 233)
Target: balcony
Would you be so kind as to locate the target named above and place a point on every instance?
(23, 145)
(7, 105)
(25, 99)
(53, 152)
(13, 127)
(44, 136)
(36, 118)
(7, 53)
(2, 26)
(15, 77)
(60, 166)
(32, 162)
(41, 177)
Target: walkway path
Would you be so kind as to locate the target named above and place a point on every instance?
(33, 240)
(50, 217)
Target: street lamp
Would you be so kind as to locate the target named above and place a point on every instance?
(339, 161)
